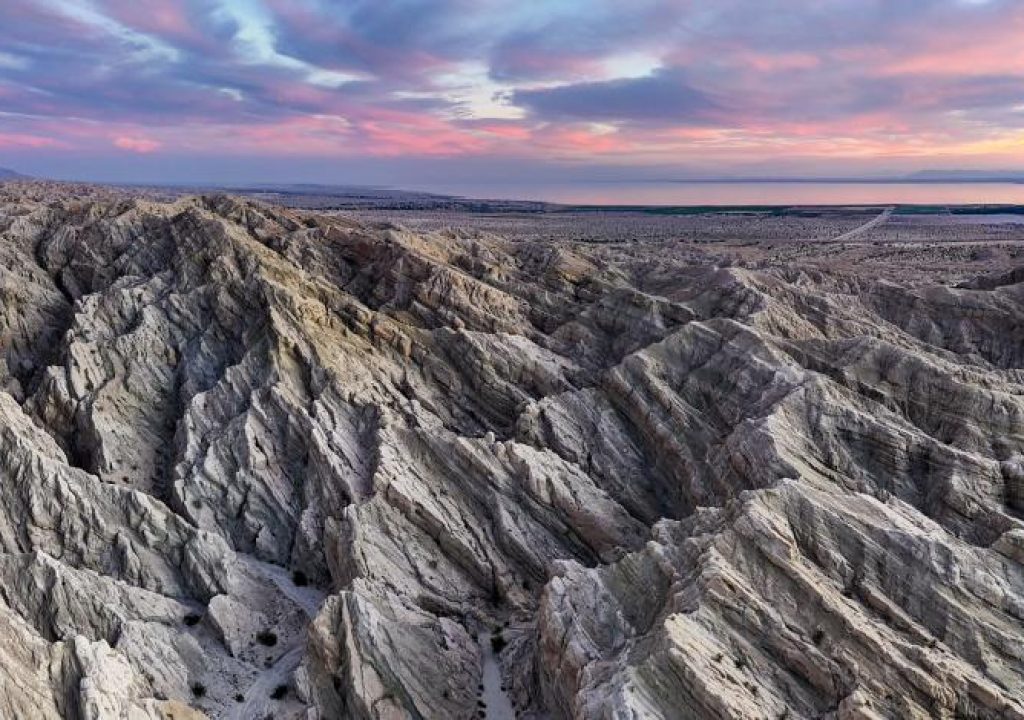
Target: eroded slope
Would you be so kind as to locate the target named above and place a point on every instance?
(785, 494)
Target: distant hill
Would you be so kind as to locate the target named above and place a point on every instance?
(6, 174)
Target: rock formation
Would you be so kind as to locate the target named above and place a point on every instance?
(257, 462)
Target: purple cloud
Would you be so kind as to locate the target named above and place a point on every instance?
(568, 80)
(664, 96)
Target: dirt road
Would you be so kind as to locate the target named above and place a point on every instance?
(861, 229)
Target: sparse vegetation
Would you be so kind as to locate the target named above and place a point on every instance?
(839, 339)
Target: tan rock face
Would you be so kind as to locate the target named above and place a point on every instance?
(259, 462)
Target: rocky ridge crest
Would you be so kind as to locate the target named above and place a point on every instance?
(749, 494)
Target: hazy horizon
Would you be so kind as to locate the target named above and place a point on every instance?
(949, 188)
(438, 184)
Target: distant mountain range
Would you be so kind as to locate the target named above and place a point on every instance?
(7, 174)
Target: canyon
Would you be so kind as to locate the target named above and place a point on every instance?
(260, 461)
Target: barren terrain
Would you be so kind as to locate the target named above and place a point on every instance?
(267, 461)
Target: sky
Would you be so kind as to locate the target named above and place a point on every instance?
(392, 91)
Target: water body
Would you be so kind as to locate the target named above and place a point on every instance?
(986, 219)
(745, 193)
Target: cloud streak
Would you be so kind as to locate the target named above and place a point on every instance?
(733, 84)
(137, 144)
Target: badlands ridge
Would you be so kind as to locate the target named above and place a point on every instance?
(264, 463)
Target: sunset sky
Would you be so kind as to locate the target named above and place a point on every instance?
(376, 91)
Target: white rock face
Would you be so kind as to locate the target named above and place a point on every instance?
(255, 461)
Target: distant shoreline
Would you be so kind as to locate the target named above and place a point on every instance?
(828, 181)
(790, 209)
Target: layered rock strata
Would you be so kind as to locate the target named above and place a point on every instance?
(258, 462)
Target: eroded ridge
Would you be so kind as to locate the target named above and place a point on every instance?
(259, 461)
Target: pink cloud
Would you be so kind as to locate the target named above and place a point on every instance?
(167, 19)
(422, 138)
(579, 141)
(775, 62)
(24, 140)
(137, 144)
(507, 131)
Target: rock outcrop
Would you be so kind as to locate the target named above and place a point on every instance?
(258, 462)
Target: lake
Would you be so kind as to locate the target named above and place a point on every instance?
(743, 193)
